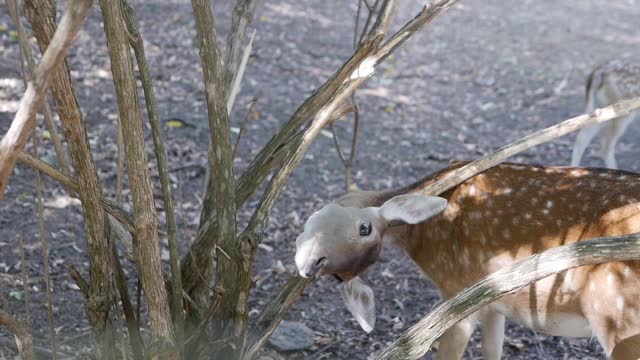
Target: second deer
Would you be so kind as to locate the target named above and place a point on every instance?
(606, 85)
(488, 222)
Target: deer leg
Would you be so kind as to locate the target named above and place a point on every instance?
(583, 139)
(492, 325)
(614, 131)
(454, 341)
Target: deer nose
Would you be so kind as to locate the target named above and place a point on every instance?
(312, 267)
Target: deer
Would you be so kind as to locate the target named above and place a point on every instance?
(607, 84)
(492, 220)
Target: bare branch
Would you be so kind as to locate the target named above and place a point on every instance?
(237, 80)
(271, 316)
(13, 141)
(428, 13)
(41, 15)
(25, 283)
(27, 54)
(229, 85)
(193, 343)
(165, 183)
(416, 341)
(242, 16)
(243, 125)
(146, 249)
(270, 157)
(45, 254)
(120, 215)
(614, 111)
(132, 322)
(20, 332)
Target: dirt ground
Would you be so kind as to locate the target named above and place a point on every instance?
(485, 73)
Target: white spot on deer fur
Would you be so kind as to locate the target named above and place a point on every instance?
(515, 220)
(528, 216)
(545, 211)
(472, 190)
(483, 240)
(558, 222)
(506, 234)
(610, 279)
(495, 221)
(626, 272)
(549, 204)
(620, 303)
(592, 287)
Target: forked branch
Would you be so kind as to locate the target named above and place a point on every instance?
(14, 140)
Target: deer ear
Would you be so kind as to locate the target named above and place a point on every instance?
(412, 208)
(359, 299)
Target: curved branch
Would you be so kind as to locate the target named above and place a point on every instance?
(416, 341)
(13, 141)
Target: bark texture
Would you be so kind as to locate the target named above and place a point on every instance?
(146, 247)
(41, 15)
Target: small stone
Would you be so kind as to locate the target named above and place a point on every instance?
(292, 336)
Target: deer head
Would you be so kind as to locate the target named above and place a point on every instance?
(344, 241)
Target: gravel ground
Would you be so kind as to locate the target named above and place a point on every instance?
(482, 75)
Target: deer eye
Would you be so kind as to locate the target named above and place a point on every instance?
(365, 229)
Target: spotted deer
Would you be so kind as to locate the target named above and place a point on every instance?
(491, 221)
(607, 84)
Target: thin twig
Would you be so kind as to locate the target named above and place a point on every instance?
(120, 164)
(14, 140)
(25, 283)
(71, 185)
(237, 79)
(45, 254)
(243, 125)
(372, 11)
